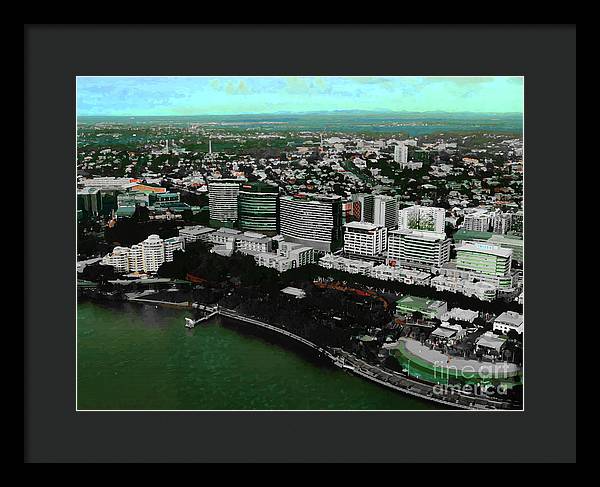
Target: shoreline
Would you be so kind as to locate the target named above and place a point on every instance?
(422, 390)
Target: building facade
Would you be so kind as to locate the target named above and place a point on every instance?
(258, 207)
(366, 239)
(312, 220)
(385, 211)
(223, 200)
(419, 250)
(482, 258)
(424, 218)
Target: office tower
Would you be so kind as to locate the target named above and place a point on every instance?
(153, 253)
(364, 205)
(481, 258)
(312, 220)
(416, 249)
(258, 206)
(209, 145)
(89, 200)
(223, 200)
(424, 218)
(385, 211)
(366, 239)
(400, 154)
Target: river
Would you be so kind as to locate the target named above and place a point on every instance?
(132, 356)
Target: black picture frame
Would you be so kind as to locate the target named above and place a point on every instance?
(544, 54)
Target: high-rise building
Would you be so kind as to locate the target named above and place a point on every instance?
(424, 218)
(400, 154)
(385, 211)
(483, 258)
(501, 222)
(258, 206)
(363, 207)
(416, 249)
(153, 253)
(312, 220)
(89, 200)
(223, 200)
(147, 256)
(136, 258)
(361, 238)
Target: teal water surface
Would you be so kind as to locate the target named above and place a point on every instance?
(140, 357)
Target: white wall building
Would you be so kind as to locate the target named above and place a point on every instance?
(385, 211)
(330, 261)
(400, 154)
(366, 239)
(414, 249)
(424, 218)
(223, 199)
(147, 256)
(509, 320)
(153, 253)
(312, 220)
(196, 233)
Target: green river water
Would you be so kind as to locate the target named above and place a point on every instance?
(133, 356)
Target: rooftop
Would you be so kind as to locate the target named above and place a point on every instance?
(483, 248)
(510, 318)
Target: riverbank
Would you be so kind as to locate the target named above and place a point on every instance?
(133, 357)
(451, 397)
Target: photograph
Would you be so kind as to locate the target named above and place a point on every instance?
(300, 243)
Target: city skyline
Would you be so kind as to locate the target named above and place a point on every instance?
(226, 95)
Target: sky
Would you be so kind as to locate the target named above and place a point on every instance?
(217, 95)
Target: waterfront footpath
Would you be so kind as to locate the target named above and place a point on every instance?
(452, 397)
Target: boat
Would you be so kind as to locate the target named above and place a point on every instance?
(189, 323)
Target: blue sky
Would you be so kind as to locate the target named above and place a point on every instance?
(215, 95)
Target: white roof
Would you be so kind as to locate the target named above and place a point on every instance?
(483, 248)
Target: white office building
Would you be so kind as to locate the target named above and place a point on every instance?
(483, 258)
(223, 199)
(424, 218)
(366, 239)
(385, 211)
(196, 233)
(289, 255)
(419, 250)
(312, 220)
(136, 258)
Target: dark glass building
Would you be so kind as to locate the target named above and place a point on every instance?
(258, 207)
